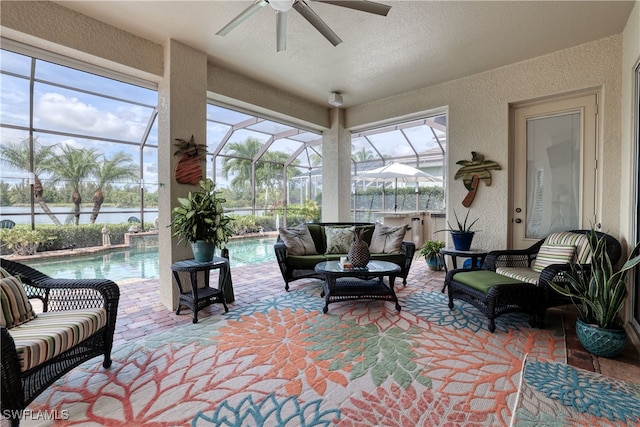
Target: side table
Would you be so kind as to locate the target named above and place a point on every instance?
(198, 298)
(475, 255)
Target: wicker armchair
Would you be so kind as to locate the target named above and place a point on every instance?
(57, 295)
(505, 294)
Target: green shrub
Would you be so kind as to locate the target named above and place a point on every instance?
(22, 240)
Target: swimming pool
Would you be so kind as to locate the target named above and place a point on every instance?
(124, 264)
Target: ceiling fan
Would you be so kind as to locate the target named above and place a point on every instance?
(283, 6)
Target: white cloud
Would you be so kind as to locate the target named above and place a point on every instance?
(70, 114)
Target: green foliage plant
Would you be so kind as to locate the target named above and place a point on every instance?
(200, 216)
(22, 241)
(596, 289)
(310, 210)
(461, 226)
(430, 249)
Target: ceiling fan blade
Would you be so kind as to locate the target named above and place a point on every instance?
(317, 22)
(281, 30)
(256, 6)
(361, 5)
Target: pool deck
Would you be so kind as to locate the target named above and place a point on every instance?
(141, 313)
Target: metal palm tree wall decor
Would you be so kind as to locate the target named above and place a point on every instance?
(472, 171)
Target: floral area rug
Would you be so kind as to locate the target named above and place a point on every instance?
(281, 362)
(555, 394)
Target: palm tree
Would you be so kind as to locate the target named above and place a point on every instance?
(239, 163)
(472, 171)
(118, 167)
(18, 156)
(269, 172)
(74, 165)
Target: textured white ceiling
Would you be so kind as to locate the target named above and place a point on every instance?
(420, 43)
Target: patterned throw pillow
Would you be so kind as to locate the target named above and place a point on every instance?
(338, 239)
(553, 254)
(19, 309)
(387, 240)
(298, 240)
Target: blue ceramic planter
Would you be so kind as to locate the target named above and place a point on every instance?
(203, 251)
(599, 341)
(462, 240)
(434, 263)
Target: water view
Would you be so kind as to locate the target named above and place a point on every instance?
(126, 264)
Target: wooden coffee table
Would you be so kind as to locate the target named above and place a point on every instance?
(358, 283)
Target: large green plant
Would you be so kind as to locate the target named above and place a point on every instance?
(596, 289)
(22, 241)
(431, 249)
(200, 216)
(461, 226)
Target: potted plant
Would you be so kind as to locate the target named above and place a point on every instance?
(599, 294)
(431, 253)
(462, 235)
(201, 221)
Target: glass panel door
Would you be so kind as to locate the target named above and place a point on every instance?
(554, 170)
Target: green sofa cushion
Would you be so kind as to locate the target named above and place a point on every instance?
(305, 261)
(317, 234)
(395, 258)
(483, 280)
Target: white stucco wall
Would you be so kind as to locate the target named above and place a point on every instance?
(479, 121)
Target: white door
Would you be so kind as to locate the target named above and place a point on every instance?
(554, 170)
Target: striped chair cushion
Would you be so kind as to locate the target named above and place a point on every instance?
(553, 254)
(52, 333)
(4, 273)
(18, 308)
(522, 274)
(580, 241)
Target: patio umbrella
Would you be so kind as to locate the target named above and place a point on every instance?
(396, 172)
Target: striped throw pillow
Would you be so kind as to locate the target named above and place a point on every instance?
(580, 241)
(553, 254)
(19, 309)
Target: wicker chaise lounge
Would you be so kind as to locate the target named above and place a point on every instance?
(87, 307)
(518, 280)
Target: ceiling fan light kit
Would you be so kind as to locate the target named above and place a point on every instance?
(283, 6)
(335, 99)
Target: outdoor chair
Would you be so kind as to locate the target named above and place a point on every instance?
(7, 223)
(77, 323)
(518, 280)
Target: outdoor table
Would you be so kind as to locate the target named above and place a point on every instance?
(197, 298)
(358, 283)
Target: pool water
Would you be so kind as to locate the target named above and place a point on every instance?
(125, 264)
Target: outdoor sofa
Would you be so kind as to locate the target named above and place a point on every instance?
(518, 280)
(77, 324)
(330, 242)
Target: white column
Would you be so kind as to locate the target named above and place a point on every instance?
(182, 110)
(336, 170)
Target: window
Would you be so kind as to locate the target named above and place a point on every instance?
(86, 143)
